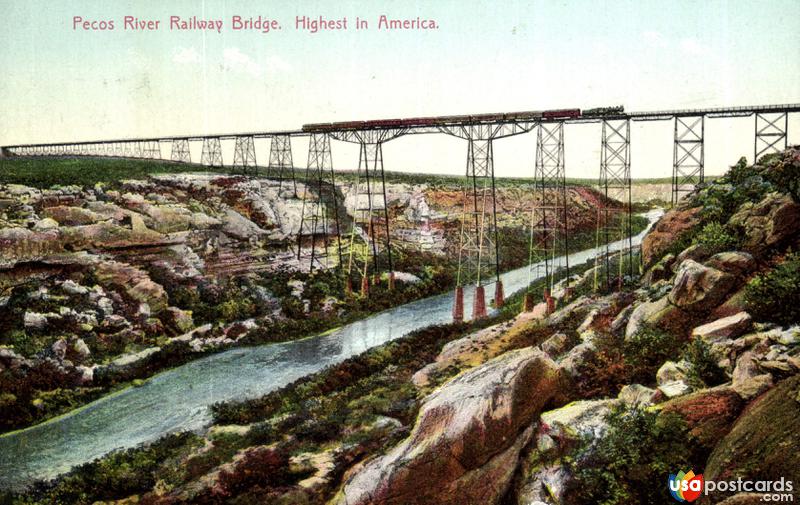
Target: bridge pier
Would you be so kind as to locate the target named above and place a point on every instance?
(244, 154)
(770, 133)
(549, 213)
(280, 160)
(314, 216)
(688, 168)
(615, 184)
(180, 151)
(478, 255)
(370, 207)
(211, 155)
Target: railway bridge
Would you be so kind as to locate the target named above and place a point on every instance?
(365, 251)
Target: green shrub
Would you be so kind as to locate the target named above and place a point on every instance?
(742, 183)
(630, 464)
(786, 177)
(648, 349)
(703, 371)
(716, 238)
(775, 295)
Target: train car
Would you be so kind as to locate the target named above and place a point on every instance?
(561, 114)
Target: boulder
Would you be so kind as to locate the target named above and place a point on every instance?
(698, 287)
(662, 270)
(708, 413)
(466, 442)
(180, 321)
(577, 420)
(71, 216)
(642, 313)
(673, 389)
(732, 262)
(45, 224)
(748, 379)
(574, 361)
(666, 231)
(767, 224)
(763, 443)
(727, 327)
(695, 252)
(239, 227)
(80, 349)
(556, 344)
(636, 395)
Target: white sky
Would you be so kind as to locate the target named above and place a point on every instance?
(63, 84)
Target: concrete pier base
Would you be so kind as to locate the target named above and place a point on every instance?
(479, 304)
(458, 305)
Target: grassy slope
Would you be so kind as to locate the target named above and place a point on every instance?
(47, 172)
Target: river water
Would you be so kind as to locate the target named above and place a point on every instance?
(178, 399)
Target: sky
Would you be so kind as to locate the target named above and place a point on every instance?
(61, 84)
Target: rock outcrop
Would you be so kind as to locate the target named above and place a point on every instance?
(467, 438)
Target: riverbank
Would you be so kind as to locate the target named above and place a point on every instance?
(105, 285)
(164, 404)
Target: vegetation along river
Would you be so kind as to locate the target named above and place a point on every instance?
(179, 399)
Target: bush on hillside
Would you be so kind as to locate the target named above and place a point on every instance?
(715, 238)
(703, 369)
(775, 295)
(619, 468)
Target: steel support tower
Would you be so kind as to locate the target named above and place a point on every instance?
(770, 133)
(212, 152)
(369, 235)
(280, 160)
(688, 160)
(180, 151)
(478, 254)
(244, 155)
(614, 223)
(314, 220)
(549, 235)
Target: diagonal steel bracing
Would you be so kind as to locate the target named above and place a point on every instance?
(244, 155)
(370, 239)
(180, 151)
(478, 254)
(314, 221)
(688, 161)
(614, 223)
(280, 161)
(549, 233)
(770, 133)
(211, 155)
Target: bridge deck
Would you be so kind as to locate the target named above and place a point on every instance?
(436, 123)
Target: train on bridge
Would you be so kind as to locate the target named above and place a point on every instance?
(466, 119)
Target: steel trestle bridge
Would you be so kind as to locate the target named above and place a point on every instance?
(365, 251)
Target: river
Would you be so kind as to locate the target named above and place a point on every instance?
(178, 399)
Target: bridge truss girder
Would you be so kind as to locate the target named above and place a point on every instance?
(688, 160)
(770, 133)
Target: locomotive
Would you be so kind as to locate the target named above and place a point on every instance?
(465, 119)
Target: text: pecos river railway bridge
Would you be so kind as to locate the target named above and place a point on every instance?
(479, 260)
